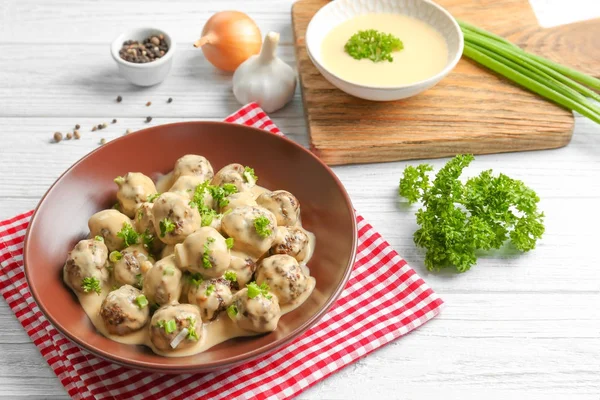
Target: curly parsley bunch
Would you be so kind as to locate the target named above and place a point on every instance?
(457, 219)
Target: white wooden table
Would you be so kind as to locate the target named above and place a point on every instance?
(515, 325)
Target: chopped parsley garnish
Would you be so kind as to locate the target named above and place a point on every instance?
(139, 281)
(195, 279)
(170, 326)
(166, 226)
(192, 334)
(98, 238)
(207, 214)
(219, 193)
(229, 242)
(119, 180)
(230, 276)
(232, 311)
(141, 301)
(147, 239)
(140, 214)
(210, 289)
(249, 175)
(206, 254)
(261, 224)
(255, 290)
(152, 197)
(374, 45)
(115, 256)
(128, 234)
(169, 270)
(161, 324)
(91, 284)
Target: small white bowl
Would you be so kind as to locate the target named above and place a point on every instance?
(146, 74)
(336, 12)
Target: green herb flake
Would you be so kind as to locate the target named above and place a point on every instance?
(115, 256)
(166, 226)
(230, 276)
(254, 290)
(141, 301)
(119, 180)
(249, 175)
(207, 214)
(128, 234)
(140, 214)
(139, 281)
(206, 254)
(192, 334)
(91, 284)
(220, 193)
(147, 239)
(261, 224)
(161, 324)
(152, 197)
(232, 311)
(170, 326)
(458, 219)
(169, 270)
(210, 289)
(374, 45)
(195, 279)
(98, 238)
(229, 242)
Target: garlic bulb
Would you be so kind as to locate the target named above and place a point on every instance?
(264, 78)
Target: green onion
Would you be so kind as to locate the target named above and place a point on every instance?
(141, 301)
(232, 311)
(115, 256)
(229, 242)
(170, 326)
(557, 83)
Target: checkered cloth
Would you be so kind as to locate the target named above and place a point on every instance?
(383, 300)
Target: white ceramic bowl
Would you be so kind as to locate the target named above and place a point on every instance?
(146, 74)
(339, 11)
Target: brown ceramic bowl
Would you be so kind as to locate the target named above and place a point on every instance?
(87, 187)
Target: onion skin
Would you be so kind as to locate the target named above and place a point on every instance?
(229, 38)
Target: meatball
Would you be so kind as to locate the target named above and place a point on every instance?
(211, 297)
(85, 269)
(239, 199)
(186, 186)
(291, 240)
(284, 276)
(204, 251)
(134, 189)
(133, 264)
(167, 323)
(259, 314)
(167, 250)
(107, 223)
(252, 228)
(243, 266)
(283, 204)
(144, 223)
(235, 174)
(174, 218)
(122, 313)
(193, 165)
(162, 283)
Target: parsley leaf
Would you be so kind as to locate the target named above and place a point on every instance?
(232, 311)
(115, 256)
(255, 290)
(249, 175)
(147, 239)
(457, 219)
(128, 234)
(229, 242)
(141, 301)
(99, 238)
(219, 193)
(195, 279)
(210, 289)
(230, 276)
(152, 197)
(166, 226)
(207, 214)
(91, 284)
(374, 45)
(192, 334)
(206, 254)
(261, 224)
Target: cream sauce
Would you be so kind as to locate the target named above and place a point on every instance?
(425, 51)
(213, 332)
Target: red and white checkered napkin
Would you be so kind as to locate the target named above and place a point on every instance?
(383, 300)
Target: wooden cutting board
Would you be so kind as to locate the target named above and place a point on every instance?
(471, 111)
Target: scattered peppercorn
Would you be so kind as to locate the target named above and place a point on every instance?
(148, 119)
(57, 137)
(151, 49)
(100, 126)
(69, 136)
(76, 135)
(94, 128)
(114, 121)
(170, 100)
(119, 99)
(148, 104)
(77, 126)
(102, 141)
(104, 125)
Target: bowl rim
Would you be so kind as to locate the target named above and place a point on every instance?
(213, 365)
(117, 43)
(449, 65)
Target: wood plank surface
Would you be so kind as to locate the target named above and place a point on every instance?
(470, 111)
